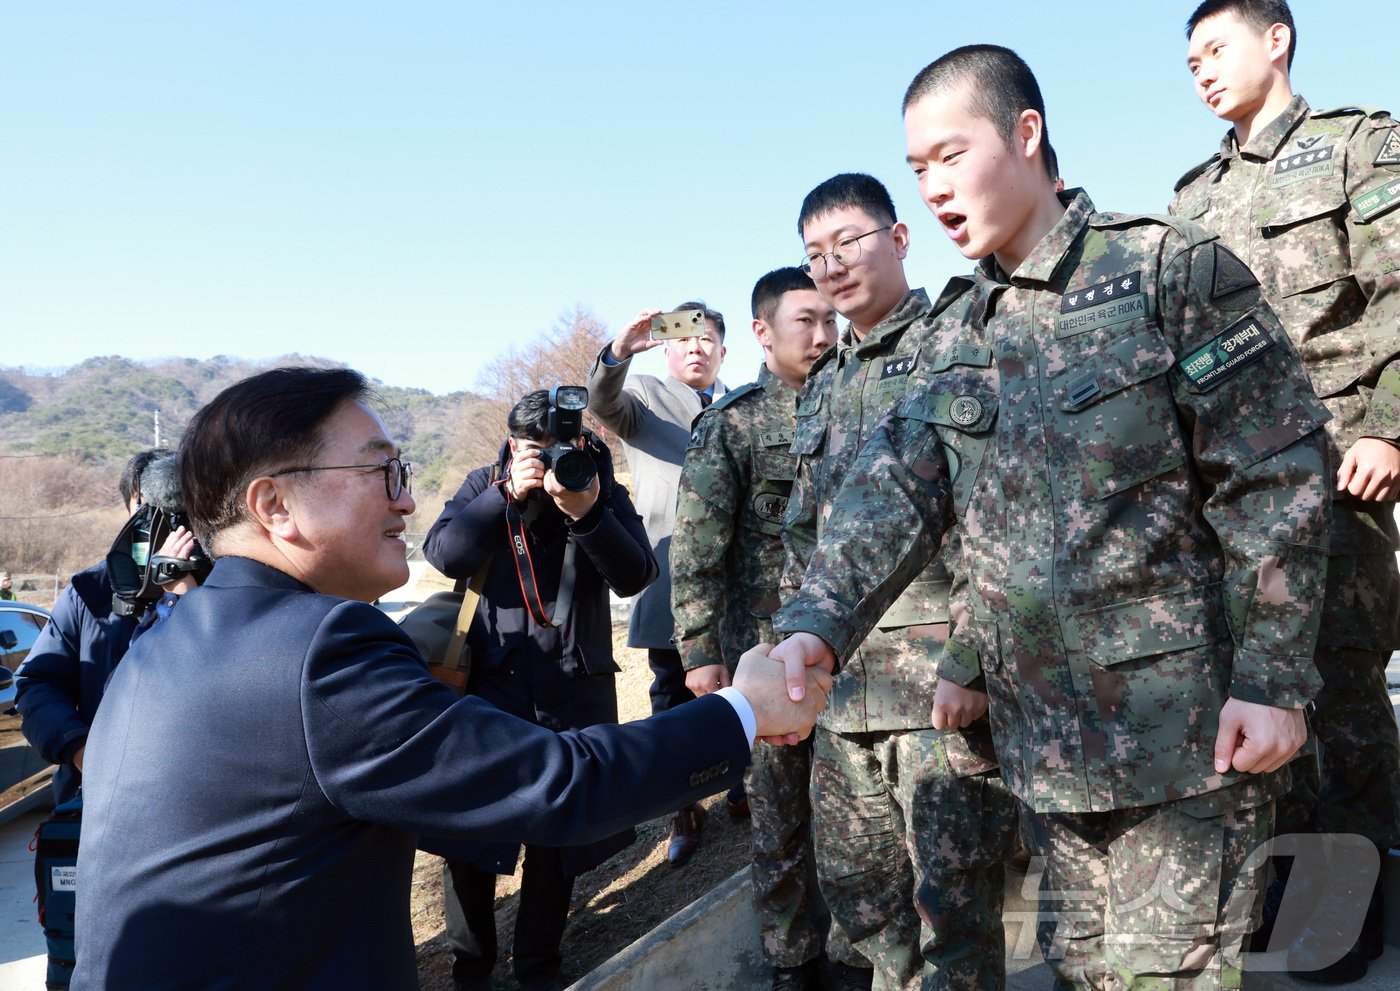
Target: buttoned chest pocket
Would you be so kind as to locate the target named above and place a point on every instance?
(959, 402)
(774, 469)
(1303, 237)
(1116, 420)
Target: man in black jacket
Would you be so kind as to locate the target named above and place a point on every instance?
(539, 653)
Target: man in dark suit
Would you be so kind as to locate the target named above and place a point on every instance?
(265, 757)
(652, 417)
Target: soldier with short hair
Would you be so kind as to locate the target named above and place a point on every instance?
(911, 821)
(1307, 198)
(1133, 456)
(727, 557)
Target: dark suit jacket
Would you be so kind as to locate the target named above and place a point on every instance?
(260, 766)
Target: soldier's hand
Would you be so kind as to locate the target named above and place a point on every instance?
(635, 337)
(1370, 470)
(956, 707)
(764, 683)
(1256, 738)
(707, 679)
(799, 652)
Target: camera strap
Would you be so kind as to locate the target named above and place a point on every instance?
(525, 571)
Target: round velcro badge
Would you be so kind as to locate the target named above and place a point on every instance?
(769, 507)
(965, 410)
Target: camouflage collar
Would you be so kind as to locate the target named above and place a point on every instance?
(1045, 257)
(1269, 140)
(912, 307)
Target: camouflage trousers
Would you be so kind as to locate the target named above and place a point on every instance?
(1153, 898)
(1352, 785)
(794, 925)
(910, 857)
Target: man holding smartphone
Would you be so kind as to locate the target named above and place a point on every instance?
(652, 418)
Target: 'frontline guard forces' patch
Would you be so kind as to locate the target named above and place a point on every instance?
(1231, 274)
(1243, 344)
(1377, 201)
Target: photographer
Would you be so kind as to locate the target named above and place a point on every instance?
(545, 519)
(59, 686)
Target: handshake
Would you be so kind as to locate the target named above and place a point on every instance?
(785, 701)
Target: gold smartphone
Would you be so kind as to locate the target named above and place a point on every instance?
(677, 324)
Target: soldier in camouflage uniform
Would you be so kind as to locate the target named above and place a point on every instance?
(912, 823)
(1133, 455)
(726, 559)
(1308, 199)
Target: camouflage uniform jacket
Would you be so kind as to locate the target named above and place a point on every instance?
(1311, 206)
(727, 549)
(1132, 452)
(889, 682)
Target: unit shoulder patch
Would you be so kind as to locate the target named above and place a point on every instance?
(1244, 343)
(700, 432)
(1390, 150)
(1230, 274)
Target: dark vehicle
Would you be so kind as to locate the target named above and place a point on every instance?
(23, 774)
(20, 625)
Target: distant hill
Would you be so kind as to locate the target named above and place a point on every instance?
(105, 409)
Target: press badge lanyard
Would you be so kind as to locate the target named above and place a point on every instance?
(525, 571)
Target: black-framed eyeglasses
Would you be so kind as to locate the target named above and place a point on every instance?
(398, 474)
(846, 252)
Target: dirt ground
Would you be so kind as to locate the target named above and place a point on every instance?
(613, 904)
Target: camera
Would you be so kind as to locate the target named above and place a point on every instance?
(573, 468)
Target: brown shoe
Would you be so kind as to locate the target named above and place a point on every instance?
(685, 835)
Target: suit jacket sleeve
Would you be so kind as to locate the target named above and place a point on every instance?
(388, 744)
(621, 410)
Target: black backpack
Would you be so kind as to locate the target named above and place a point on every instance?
(56, 877)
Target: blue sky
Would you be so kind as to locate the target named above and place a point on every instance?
(412, 187)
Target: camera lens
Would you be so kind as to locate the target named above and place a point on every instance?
(573, 469)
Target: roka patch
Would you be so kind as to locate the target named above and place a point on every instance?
(1376, 202)
(1390, 151)
(1243, 344)
(1303, 165)
(1110, 302)
(897, 366)
(1230, 274)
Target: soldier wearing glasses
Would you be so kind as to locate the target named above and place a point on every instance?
(909, 819)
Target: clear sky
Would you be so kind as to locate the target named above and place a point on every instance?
(411, 187)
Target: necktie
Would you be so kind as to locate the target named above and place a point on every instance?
(705, 399)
